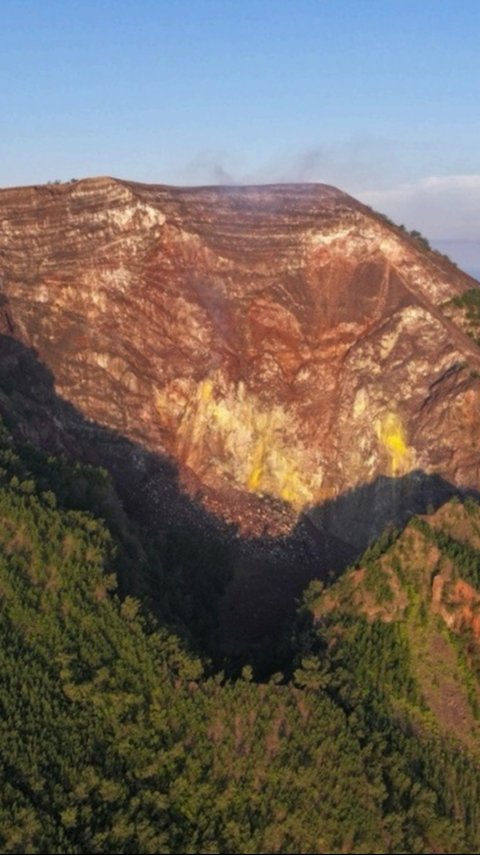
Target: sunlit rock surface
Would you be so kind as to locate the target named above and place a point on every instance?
(281, 344)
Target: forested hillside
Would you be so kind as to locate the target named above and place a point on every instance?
(115, 737)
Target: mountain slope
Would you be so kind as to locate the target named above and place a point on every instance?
(406, 621)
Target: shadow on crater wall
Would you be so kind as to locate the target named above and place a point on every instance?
(264, 576)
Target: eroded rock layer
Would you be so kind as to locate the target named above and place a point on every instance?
(282, 344)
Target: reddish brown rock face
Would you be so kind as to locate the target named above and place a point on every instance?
(282, 344)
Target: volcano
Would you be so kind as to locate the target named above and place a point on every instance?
(289, 353)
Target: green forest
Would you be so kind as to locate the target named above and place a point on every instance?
(118, 736)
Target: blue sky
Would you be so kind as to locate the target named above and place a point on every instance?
(380, 97)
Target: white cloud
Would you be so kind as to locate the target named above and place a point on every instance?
(440, 206)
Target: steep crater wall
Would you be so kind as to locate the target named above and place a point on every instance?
(282, 347)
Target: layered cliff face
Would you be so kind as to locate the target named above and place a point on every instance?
(282, 345)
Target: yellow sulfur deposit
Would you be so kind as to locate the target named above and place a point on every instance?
(205, 390)
(257, 464)
(252, 445)
(391, 434)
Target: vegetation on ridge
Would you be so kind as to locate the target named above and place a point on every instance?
(468, 312)
(421, 241)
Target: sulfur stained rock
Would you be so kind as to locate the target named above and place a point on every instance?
(281, 344)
